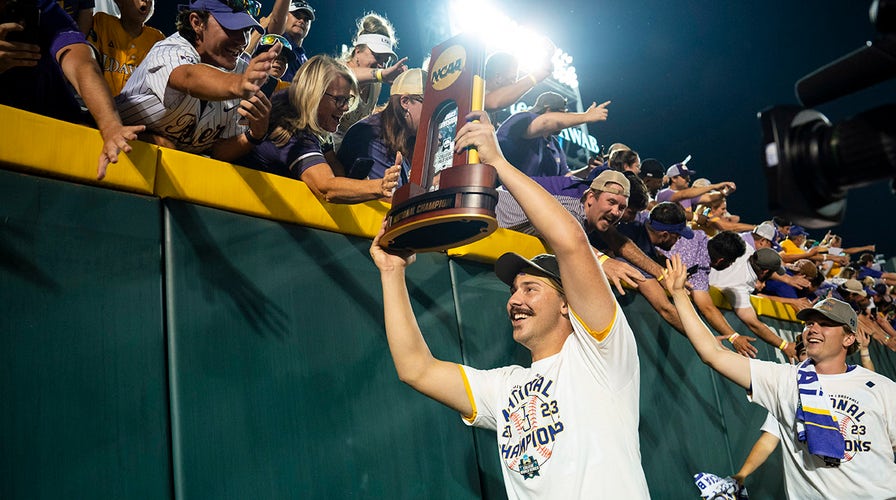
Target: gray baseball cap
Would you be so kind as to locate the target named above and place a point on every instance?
(834, 310)
(768, 259)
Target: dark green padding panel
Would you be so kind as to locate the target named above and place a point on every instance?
(82, 352)
(281, 379)
(487, 343)
(688, 414)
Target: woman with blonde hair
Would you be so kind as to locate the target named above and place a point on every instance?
(368, 59)
(302, 119)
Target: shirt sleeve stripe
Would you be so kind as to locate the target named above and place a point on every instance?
(463, 375)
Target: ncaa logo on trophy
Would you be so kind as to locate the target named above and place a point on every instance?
(449, 199)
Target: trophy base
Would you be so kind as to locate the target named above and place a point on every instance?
(446, 218)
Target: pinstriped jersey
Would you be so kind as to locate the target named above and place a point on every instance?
(193, 125)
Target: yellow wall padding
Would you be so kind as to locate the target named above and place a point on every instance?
(502, 240)
(45, 146)
(217, 184)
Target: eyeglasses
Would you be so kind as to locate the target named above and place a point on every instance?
(252, 7)
(271, 39)
(341, 101)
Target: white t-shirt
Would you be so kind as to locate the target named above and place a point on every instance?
(736, 281)
(192, 124)
(567, 427)
(864, 405)
(771, 426)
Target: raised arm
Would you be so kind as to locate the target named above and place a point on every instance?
(586, 287)
(553, 122)
(413, 360)
(731, 365)
(274, 23)
(502, 97)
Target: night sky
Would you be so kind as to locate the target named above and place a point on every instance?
(685, 77)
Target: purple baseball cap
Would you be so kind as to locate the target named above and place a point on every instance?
(679, 169)
(230, 14)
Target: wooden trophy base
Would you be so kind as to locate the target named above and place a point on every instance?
(461, 211)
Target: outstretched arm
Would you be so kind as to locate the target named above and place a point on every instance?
(83, 72)
(413, 360)
(586, 287)
(553, 122)
(326, 185)
(729, 364)
(741, 343)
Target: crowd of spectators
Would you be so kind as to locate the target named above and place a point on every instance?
(236, 89)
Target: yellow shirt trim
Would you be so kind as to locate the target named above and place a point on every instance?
(463, 375)
(599, 335)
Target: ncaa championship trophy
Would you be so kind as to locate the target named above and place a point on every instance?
(449, 199)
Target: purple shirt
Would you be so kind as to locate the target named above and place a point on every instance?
(364, 155)
(534, 157)
(42, 89)
(302, 152)
(694, 255)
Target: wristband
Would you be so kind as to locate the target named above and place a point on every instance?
(253, 140)
(783, 345)
(732, 337)
(534, 81)
(866, 354)
(660, 278)
(603, 258)
(378, 74)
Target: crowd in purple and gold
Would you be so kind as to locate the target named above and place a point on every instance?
(235, 84)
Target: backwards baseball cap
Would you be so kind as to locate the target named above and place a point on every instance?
(231, 14)
(853, 285)
(652, 168)
(680, 169)
(378, 44)
(765, 230)
(797, 231)
(509, 265)
(409, 82)
(805, 267)
(769, 260)
(604, 181)
(295, 5)
(834, 310)
(549, 100)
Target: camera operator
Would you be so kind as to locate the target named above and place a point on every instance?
(33, 73)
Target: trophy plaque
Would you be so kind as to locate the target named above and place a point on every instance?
(450, 198)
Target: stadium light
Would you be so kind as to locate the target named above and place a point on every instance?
(500, 33)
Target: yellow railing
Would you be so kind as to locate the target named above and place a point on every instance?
(47, 147)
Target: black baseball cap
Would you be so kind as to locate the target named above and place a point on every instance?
(509, 265)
